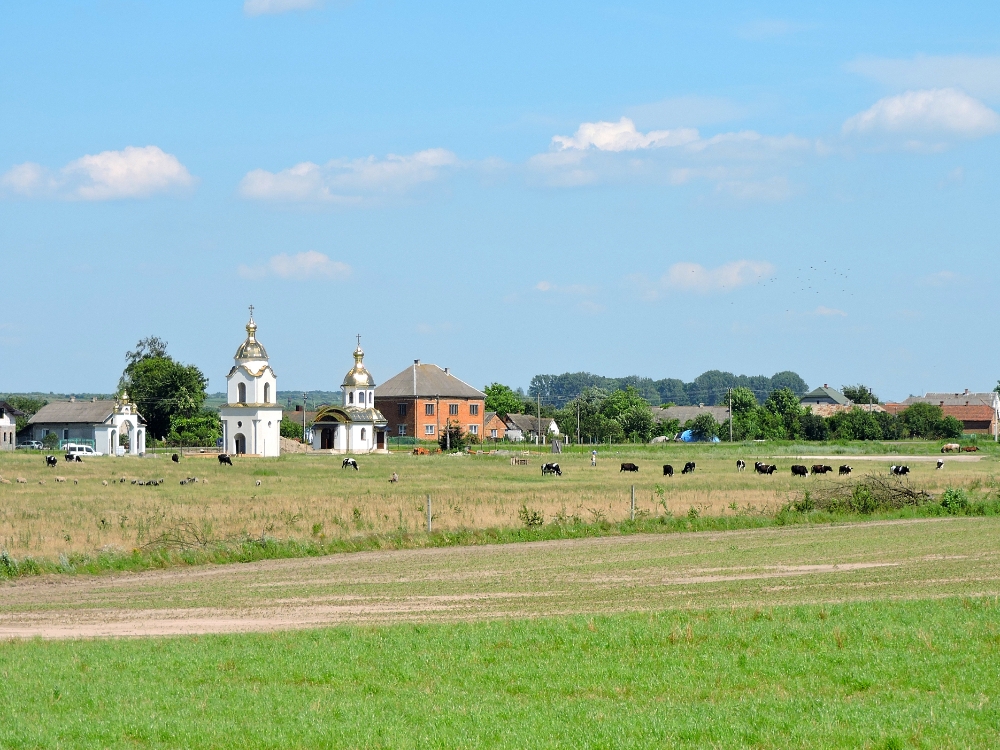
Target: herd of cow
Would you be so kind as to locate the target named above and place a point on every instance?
(798, 470)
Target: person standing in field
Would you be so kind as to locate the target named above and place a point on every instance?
(593, 458)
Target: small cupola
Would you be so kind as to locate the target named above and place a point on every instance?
(251, 348)
(358, 385)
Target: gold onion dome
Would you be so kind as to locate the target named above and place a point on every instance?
(251, 348)
(358, 377)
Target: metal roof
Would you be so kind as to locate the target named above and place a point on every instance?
(528, 422)
(990, 398)
(826, 392)
(426, 381)
(74, 412)
(685, 413)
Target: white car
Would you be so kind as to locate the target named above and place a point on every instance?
(31, 445)
(83, 451)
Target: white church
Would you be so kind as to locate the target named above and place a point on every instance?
(356, 426)
(251, 418)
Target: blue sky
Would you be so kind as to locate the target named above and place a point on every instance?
(628, 188)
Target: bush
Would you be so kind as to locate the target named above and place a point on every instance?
(50, 441)
(452, 437)
(704, 426)
(291, 429)
(530, 518)
(955, 501)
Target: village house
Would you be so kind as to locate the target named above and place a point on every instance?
(979, 413)
(825, 395)
(494, 428)
(106, 426)
(526, 427)
(8, 425)
(421, 400)
(684, 414)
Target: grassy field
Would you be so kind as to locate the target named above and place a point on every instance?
(871, 635)
(309, 498)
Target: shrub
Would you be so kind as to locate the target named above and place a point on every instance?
(290, 429)
(530, 518)
(50, 441)
(955, 501)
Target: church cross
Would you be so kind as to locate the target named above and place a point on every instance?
(359, 339)
(251, 311)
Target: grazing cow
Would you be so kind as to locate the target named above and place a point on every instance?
(553, 469)
(225, 459)
(949, 447)
(844, 469)
(349, 462)
(770, 469)
(740, 464)
(688, 468)
(940, 464)
(899, 470)
(628, 467)
(78, 458)
(668, 470)
(821, 469)
(798, 470)
(760, 467)
(970, 448)
(175, 458)
(51, 462)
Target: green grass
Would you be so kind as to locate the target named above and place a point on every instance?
(878, 675)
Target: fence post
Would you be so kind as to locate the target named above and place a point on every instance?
(632, 511)
(428, 514)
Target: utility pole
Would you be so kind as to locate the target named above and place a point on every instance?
(303, 417)
(730, 415)
(538, 417)
(578, 421)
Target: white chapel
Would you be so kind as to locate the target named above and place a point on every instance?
(251, 418)
(356, 426)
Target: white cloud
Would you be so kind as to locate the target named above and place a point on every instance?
(348, 181)
(301, 267)
(133, 172)
(979, 76)
(829, 312)
(622, 136)
(270, 7)
(694, 277)
(927, 111)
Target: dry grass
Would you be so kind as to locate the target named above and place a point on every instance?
(309, 496)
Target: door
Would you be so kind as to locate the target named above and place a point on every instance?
(380, 439)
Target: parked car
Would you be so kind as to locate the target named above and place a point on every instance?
(30, 445)
(83, 451)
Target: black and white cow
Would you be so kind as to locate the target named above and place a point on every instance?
(688, 468)
(740, 464)
(940, 463)
(844, 469)
(761, 468)
(51, 462)
(175, 458)
(225, 459)
(798, 470)
(628, 467)
(668, 470)
(349, 462)
(551, 469)
(899, 470)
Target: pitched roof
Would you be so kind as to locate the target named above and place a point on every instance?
(6, 408)
(828, 410)
(991, 398)
(827, 392)
(527, 422)
(961, 412)
(685, 413)
(426, 381)
(74, 412)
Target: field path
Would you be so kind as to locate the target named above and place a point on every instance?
(756, 568)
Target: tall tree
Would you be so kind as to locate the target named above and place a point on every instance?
(860, 394)
(160, 387)
(502, 399)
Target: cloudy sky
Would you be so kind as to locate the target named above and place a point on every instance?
(510, 189)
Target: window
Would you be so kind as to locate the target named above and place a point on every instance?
(350, 397)
(453, 409)
(402, 430)
(493, 434)
(474, 410)
(401, 408)
(267, 393)
(65, 434)
(241, 393)
(429, 410)
(474, 429)
(361, 397)
(362, 429)
(428, 429)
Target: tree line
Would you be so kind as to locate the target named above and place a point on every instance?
(710, 388)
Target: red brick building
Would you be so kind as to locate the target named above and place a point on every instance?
(421, 400)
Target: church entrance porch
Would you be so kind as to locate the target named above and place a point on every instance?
(241, 444)
(328, 438)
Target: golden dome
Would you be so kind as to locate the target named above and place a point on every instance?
(251, 348)
(358, 377)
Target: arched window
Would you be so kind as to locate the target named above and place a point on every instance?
(361, 397)
(241, 391)
(362, 433)
(267, 393)
(350, 397)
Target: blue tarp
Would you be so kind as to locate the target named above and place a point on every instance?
(688, 437)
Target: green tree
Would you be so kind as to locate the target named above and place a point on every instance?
(160, 387)
(860, 394)
(452, 437)
(28, 405)
(783, 402)
(630, 410)
(814, 427)
(50, 441)
(704, 426)
(743, 401)
(291, 429)
(921, 420)
(997, 389)
(202, 429)
(502, 399)
(856, 424)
